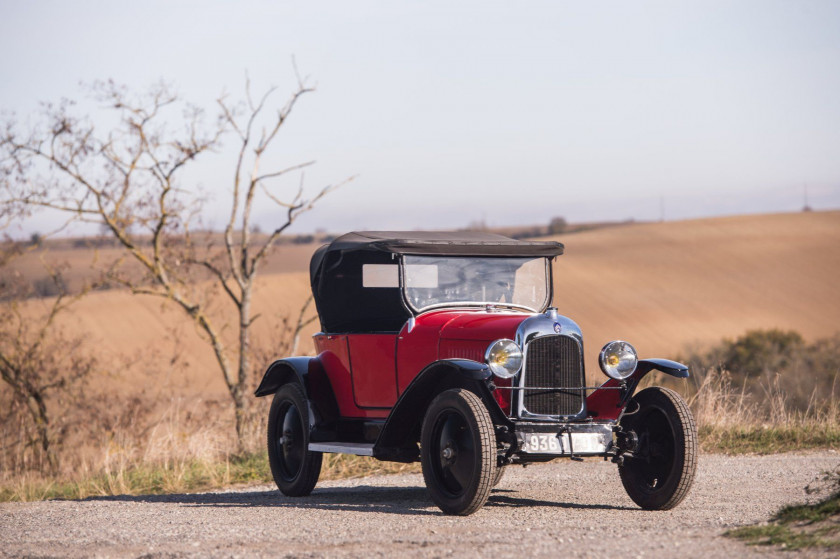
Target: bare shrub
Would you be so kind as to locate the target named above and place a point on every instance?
(719, 402)
(42, 377)
(128, 179)
(104, 440)
(777, 369)
(48, 286)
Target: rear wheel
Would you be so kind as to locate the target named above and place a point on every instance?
(661, 470)
(458, 452)
(294, 467)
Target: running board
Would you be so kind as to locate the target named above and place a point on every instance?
(359, 449)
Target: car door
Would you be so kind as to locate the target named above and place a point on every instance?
(373, 368)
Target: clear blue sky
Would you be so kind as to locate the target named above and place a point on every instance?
(507, 112)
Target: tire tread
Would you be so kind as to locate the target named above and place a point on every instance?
(487, 442)
(688, 468)
(311, 469)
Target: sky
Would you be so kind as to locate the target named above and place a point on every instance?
(453, 113)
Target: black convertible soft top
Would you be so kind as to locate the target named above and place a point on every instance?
(453, 243)
(336, 271)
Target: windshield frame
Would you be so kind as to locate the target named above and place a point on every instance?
(549, 271)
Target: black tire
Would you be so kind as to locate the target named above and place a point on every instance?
(294, 467)
(661, 472)
(500, 472)
(458, 452)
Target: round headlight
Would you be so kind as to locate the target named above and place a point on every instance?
(618, 360)
(504, 358)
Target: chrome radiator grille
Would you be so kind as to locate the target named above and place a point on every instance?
(553, 362)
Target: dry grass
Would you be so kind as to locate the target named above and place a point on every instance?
(178, 475)
(732, 419)
(184, 451)
(178, 454)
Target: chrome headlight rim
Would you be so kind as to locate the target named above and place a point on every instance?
(513, 358)
(625, 361)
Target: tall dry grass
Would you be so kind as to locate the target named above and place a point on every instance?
(185, 449)
(147, 443)
(761, 417)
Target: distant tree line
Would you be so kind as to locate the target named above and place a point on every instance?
(557, 226)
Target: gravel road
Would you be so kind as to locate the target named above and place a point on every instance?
(559, 509)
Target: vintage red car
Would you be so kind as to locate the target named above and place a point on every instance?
(444, 348)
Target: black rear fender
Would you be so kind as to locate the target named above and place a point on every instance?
(283, 371)
(309, 373)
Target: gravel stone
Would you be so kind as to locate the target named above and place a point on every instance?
(563, 508)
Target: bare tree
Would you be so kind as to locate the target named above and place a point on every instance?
(35, 361)
(129, 180)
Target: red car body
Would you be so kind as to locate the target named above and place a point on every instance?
(370, 371)
(443, 348)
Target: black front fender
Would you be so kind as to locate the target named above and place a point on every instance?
(644, 366)
(401, 432)
(665, 365)
(608, 401)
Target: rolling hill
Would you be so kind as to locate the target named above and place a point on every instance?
(660, 286)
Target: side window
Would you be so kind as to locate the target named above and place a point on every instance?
(380, 275)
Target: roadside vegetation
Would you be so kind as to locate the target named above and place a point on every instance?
(184, 476)
(803, 526)
(767, 391)
(142, 449)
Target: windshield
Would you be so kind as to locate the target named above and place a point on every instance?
(441, 281)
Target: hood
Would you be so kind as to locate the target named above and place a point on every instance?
(482, 325)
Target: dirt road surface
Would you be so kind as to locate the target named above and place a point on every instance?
(562, 509)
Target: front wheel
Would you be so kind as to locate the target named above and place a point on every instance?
(500, 471)
(661, 470)
(294, 467)
(458, 452)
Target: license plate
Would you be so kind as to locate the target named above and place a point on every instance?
(550, 443)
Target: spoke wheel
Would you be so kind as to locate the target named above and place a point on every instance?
(294, 467)
(660, 473)
(458, 452)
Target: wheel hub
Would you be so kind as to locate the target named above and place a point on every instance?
(289, 444)
(287, 439)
